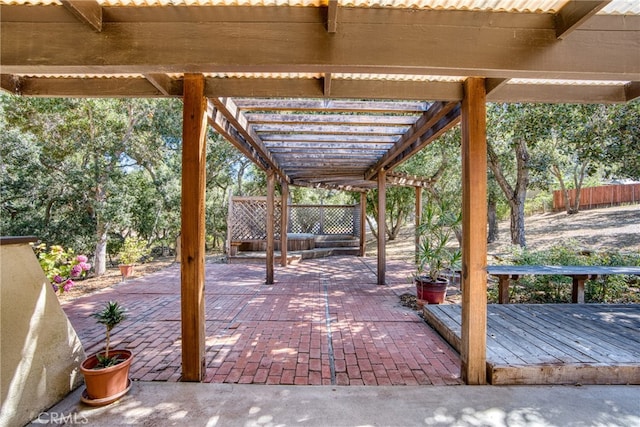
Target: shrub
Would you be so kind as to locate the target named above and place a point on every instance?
(61, 266)
(557, 288)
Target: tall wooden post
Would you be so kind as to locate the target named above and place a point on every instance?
(194, 153)
(474, 232)
(418, 221)
(271, 184)
(363, 223)
(382, 235)
(284, 223)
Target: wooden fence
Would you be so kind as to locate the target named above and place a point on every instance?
(598, 197)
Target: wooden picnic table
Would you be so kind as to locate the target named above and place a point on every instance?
(579, 273)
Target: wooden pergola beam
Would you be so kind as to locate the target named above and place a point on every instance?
(220, 123)
(41, 40)
(88, 12)
(232, 113)
(575, 13)
(474, 233)
(332, 16)
(632, 91)
(194, 154)
(162, 82)
(431, 117)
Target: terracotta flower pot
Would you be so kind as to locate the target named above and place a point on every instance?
(104, 383)
(126, 270)
(430, 291)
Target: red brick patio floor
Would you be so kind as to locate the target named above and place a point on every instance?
(324, 322)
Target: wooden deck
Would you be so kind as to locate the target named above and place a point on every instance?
(553, 343)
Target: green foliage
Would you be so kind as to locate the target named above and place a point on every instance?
(542, 202)
(61, 266)
(110, 316)
(436, 231)
(557, 288)
(133, 250)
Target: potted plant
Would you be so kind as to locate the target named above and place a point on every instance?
(436, 258)
(106, 373)
(131, 252)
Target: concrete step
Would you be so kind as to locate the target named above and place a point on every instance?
(338, 244)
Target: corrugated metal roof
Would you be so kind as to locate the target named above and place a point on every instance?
(560, 82)
(616, 7)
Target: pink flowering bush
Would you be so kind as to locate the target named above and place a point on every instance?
(61, 266)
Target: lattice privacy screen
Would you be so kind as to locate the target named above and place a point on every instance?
(248, 216)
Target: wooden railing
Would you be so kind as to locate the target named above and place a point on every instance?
(598, 197)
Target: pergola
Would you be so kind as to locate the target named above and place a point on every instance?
(327, 93)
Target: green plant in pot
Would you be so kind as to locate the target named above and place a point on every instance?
(437, 257)
(106, 373)
(132, 251)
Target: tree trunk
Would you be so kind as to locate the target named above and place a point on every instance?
(517, 225)
(555, 170)
(100, 259)
(515, 196)
(578, 179)
(492, 219)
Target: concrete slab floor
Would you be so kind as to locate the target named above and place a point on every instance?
(209, 405)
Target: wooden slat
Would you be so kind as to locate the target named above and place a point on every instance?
(194, 153)
(302, 105)
(329, 139)
(574, 13)
(586, 341)
(236, 117)
(220, 123)
(338, 119)
(474, 233)
(429, 119)
(329, 129)
(87, 11)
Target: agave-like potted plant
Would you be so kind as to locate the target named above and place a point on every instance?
(436, 257)
(106, 373)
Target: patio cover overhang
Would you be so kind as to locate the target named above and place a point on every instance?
(309, 91)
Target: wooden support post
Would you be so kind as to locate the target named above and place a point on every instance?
(474, 232)
(577, 292)
(418, 222)
(271, 183)
(504, 281)
(363, 224)
(382, 235)
(194, 153)
(284, 223)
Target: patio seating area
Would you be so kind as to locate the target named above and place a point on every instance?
(323, 322)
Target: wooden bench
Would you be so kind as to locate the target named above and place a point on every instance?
(505, 273)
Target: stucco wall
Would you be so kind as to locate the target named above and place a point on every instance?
(40, 353)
